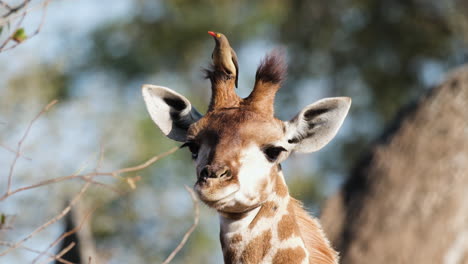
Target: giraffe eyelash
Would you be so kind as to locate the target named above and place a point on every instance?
(272, 152)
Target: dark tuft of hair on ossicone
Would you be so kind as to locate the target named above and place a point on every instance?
(273, 68)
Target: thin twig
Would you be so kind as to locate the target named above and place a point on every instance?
(78, 196)
(4, 20)
(38, 29)
(89, 180)
(191, 229)
(7, 222)
(20, 143)
(13, 10)
(51, 221)
(5, 5)
(145, 164)
(98, 166)
(18, 25)
(101, 157)
(65, 250)
(14, 152)
(42, 183)
(66, 234)
(115, 174)
(103, 185)
(51, 256)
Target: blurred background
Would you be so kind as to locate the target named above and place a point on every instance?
(93, 56)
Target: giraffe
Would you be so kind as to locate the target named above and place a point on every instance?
(237, 148)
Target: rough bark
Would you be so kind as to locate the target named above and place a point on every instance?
(407, 201)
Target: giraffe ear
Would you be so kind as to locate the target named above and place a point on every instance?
(317, 124)
(171, 112)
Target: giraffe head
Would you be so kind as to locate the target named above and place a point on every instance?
(238, 144)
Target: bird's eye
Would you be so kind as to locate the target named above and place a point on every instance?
(193, 147)
(272, 152)
(218, 35)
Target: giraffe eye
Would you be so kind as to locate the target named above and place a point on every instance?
(272, 152)
(193, 147)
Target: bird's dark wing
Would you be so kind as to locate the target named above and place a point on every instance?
(234, 60)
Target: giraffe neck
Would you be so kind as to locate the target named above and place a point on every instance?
(266, 234)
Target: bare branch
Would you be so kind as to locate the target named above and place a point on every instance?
(65, 250)
(101, 158)
(89, 180)
(51, 256)
(13, 151)
(18, 25)
(114, 174)
(6, 221)
(66, 234)
(143, 165)
(20, 143)
(51, 221)
(9, 16)
(191, 229)
(103, 185)
(6, 6)
(13, 10)
(25, 9)
(42, 183)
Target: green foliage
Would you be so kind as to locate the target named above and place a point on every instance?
(172, 38)
(306, 189)
(372, 51)
(39, 82)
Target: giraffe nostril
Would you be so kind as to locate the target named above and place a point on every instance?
(204, 173)
(224, 172)
(211, 172)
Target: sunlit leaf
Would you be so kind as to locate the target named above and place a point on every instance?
(19, 35)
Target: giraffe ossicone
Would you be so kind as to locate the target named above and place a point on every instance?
(237, 148)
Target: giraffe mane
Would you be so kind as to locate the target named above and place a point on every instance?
(317, 244)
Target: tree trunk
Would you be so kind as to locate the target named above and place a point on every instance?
(407, 201)
(84, 248)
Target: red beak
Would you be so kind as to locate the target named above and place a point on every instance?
(212, 33)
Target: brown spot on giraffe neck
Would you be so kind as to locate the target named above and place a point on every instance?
(229, 256)
(236, 239)
(264, 192)
(257, 249)
(287, 226)
(229, 247)
(267, 210)
(289, 255)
